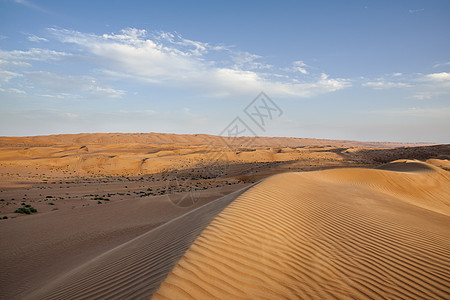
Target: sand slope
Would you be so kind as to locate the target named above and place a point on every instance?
(343, 233)
(134, 269)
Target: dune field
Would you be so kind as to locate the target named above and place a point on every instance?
(133, 216)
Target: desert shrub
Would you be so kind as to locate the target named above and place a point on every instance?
(27, 205)
(5, 217)
(99, 202)
(24, 210)
(48, 197)
(51, 203)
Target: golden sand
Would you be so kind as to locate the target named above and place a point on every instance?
(343, 233)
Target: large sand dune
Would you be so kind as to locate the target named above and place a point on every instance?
(343, 233)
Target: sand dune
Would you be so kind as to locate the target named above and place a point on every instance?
(343, 233)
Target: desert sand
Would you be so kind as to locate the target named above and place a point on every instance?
(344, 233)
(125, 216)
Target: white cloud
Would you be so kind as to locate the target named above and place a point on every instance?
(5, 76)
(171, 60)
(438, 77)
(34, 38)
(380, 85)
(13, 90)
(248, 61)
(297, 66)
(442, 64)
(22, 58)
(193, 47)
(413, 11)
(431, 85)
(61, 85)
(421, 86)
(31, 5)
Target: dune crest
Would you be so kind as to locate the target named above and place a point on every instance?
(343, 233)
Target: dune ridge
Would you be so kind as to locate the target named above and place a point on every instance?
(342, 233)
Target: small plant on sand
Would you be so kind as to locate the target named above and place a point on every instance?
(51, 203)
(27, 211)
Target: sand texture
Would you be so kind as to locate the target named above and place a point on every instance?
(134, 269)
(342, 233)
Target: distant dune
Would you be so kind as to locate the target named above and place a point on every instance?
(343, 233)
(149, 153)
(188, 139)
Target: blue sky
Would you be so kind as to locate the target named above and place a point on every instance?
(360, 70)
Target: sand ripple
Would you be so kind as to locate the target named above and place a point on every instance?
(346, 234)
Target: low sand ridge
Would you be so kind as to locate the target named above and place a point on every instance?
(342, 233)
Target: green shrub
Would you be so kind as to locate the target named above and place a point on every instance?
(27, 211)
(22, 210)
(51, 203)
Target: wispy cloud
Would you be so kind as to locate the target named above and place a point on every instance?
(442, 64)
(20, 57)
(168, 59)
(13, 90)
(420, 86)
(31, 5)
(34, 38)
(5, 76)
(64, 85)
(385, 84)
(297, 66)
(414, 11)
